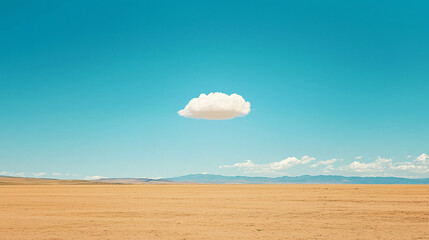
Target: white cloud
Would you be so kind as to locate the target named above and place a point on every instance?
(378, 165)
(386, 165)
(358, 157)
(249, 166)
(423, 159)
(419, 165)
(326, 162)
(56, 174)
(12, 174)
(329, 168)
(245, 164)
(290, 162)
(216, 106)
(39, 174)
(4, 173)
(94, 177)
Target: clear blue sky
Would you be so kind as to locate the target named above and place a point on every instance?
(92, 88)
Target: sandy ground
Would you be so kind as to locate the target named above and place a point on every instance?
(214, 212)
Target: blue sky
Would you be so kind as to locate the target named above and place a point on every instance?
(92, 88)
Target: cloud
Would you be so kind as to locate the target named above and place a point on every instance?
(326, 162)
(245, 164)
(358, 157)
(378, 165)
(386, 165)
(39, 174)
(423, 159)
(288, 162)
(216, 106)
(56, 174)
(419, 165)
(328, 169)
(94, 178)
(13, 174)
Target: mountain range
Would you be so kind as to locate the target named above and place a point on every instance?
(220, 179)
(325, 179)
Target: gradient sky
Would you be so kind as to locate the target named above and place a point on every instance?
(92, 88)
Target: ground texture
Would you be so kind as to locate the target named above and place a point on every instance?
(201, 211)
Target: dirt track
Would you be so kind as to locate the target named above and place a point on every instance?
(214, 212)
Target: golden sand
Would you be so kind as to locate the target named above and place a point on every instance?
(202, 211)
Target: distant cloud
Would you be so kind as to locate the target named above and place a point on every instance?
(216, 106)
(326, 162)
(423, 159)
(328, 169)
(94, 177)
(249, 166)
(378, 165)
(381, 166)
(358, 157)
(245, 164)
(39, 174)
(386, 165)
(56, 174)
(12, 174)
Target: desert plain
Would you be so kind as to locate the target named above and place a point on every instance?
(210, 211)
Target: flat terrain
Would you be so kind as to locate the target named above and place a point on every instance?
(44, 181)
(198, 211)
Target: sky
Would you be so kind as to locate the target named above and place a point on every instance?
(104, 88)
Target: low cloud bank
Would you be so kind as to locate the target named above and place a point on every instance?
(379, 167)
(288, 162)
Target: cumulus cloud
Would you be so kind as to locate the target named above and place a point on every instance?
(326, 162)
(245, 164)
(358, 157)
(386, 165)
(288, 162)
(39, 174)
(94, 178)
(381, 166)
(423, 159)
(378, 165)
(216, 106)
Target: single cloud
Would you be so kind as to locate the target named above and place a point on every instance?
(94, 177)
(216, 106)
(358, 157)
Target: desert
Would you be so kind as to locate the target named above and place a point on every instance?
(214, 211)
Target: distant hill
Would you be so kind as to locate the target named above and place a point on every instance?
(324, 179)
(134, 180)
(218, 179)
(5, 180)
